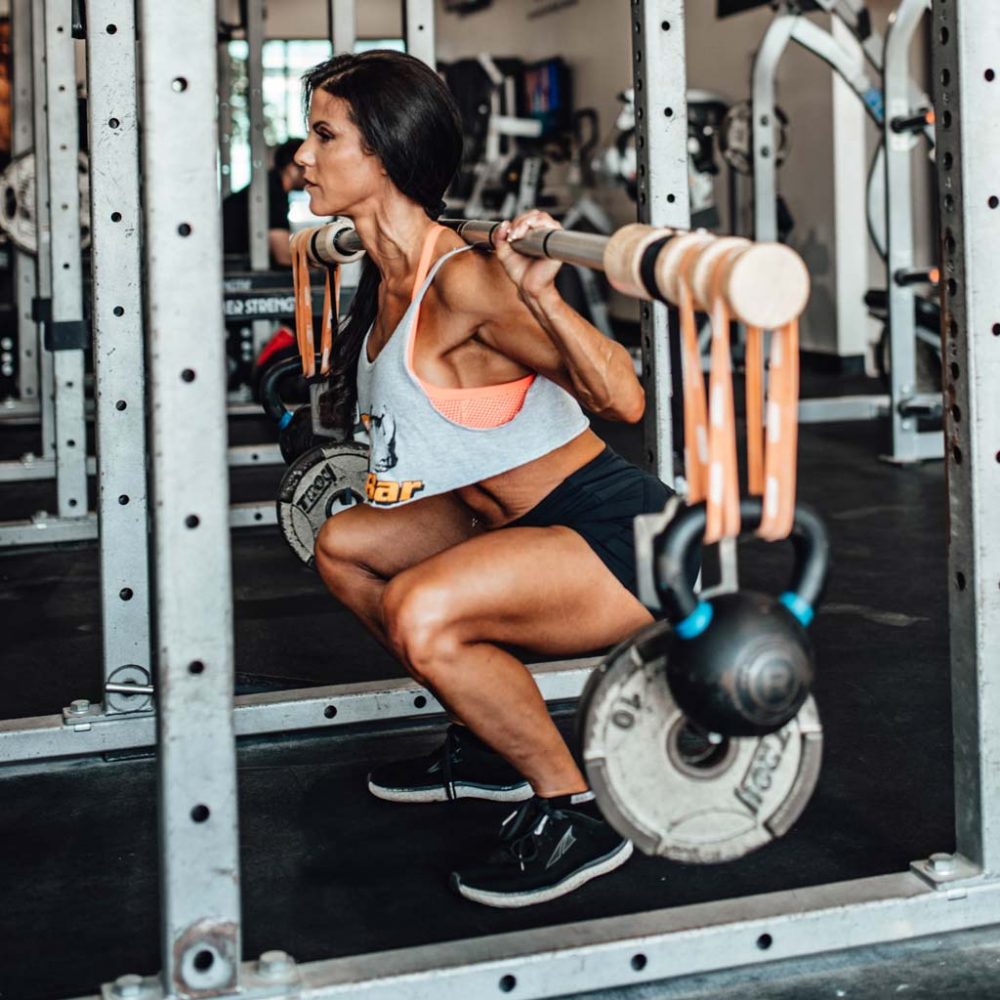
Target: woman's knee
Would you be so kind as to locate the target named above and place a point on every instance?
(420, 626)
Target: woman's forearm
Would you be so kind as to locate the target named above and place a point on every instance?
(600, 369)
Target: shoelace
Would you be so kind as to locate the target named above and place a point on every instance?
(452, 746)
(524, 847)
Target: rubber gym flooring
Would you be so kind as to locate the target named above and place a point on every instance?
(329, 871)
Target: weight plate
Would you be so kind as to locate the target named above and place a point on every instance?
(129, 674)
(670, 790)
(18, 218)
(317, 485)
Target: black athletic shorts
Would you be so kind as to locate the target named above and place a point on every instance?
(598, 502)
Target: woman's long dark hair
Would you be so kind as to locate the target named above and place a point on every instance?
(408, 119)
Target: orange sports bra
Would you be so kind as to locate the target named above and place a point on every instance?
(478, 406)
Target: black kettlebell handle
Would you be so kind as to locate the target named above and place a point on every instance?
(689, 615)
(273, 405)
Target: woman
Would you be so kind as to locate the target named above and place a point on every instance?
(496, 517)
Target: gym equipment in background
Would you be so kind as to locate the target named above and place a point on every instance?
(903, 113)
(18, 219)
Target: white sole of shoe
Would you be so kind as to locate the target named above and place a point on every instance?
(609, 863)
(516, 793)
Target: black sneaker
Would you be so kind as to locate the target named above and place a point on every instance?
(544, 852)
(463, 768)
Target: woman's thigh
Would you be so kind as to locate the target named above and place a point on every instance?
(543, 589)
(385, 542)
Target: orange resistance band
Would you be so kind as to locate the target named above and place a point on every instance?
(299, 245)
(782, 434)
(712, 472)
(754, 361)
(695, 412)
(723, 504)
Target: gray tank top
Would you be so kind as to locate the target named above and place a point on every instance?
(417, 452)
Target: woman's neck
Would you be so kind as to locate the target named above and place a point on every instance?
(393, 236)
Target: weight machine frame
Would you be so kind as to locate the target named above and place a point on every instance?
(901, 98)
(193, 611)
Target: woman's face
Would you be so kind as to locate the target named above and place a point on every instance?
(339, 174)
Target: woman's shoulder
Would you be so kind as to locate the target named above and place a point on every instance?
(471, 282)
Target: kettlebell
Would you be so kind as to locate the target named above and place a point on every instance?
(295, 430)
(740, 664)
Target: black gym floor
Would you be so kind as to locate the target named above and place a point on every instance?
(329, 871)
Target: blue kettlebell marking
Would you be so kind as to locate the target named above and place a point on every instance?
(286, 419)
(696, 622)
(802, 610)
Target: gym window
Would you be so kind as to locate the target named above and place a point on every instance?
(285, 60)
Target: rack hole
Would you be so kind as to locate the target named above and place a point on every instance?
(665, 25)
(118, 311)
(960, 581)
(764, 942)
(994, 201)
(126, 593)
(121, 405)
(184, 229)
(996, 329)
(72, 501)
(116, 216)
(196, 667)
(192, 521)
(668, 112)
(123, 500)
(188, 375)
(204, 960)
(420, 701)
(946, 119)
(638, 962)
(112, 29)
(956, 453)
(330, 711)
(952, 286)
(956, 414)
(948, 161)
(199, 814)
(945, 77)
(954, 370)
(179, 85)
(944, 36)
(990, 75)
(507, 984)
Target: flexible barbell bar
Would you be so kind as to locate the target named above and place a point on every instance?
(765, 284)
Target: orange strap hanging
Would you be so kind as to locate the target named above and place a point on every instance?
(695, 411)
(782, 434)
(723, 505)
(754, 364)
(304, 335)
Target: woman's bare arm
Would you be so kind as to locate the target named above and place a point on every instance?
(517, 310)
